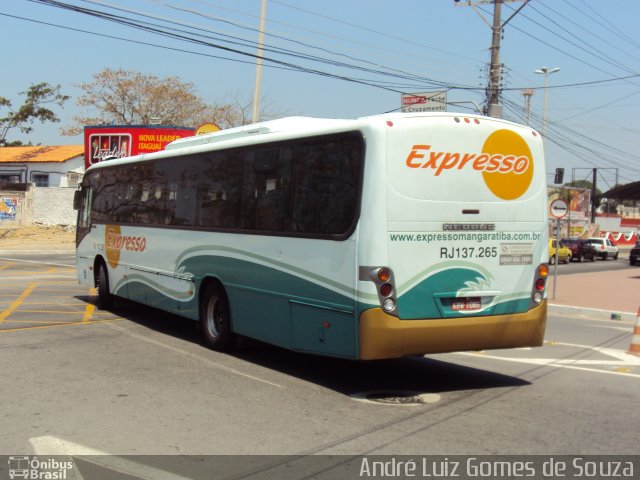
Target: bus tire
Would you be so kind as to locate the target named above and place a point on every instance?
(105, 299)
(215, 318)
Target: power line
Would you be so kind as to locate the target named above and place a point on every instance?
(183, 36)
(602, 20)
(589, 31)
(599, 55)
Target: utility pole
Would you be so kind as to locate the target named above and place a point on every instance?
(256, 89)
(494, 108)
(594, 204)
(493, 100)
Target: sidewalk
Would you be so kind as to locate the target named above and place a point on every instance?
(602, 295)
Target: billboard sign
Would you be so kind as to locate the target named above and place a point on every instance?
(105, 142)
(424, 102)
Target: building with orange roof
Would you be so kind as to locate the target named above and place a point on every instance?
(42, 166)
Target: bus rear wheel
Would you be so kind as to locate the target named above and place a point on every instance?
(105, 299)
(215, 318)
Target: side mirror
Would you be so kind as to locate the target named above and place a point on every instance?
(77, 199)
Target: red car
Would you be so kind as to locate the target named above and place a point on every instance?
(581, 249)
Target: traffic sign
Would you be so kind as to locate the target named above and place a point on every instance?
(424, 102)
(559, 208)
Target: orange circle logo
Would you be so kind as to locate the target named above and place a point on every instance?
(512, 153)
(112, 234)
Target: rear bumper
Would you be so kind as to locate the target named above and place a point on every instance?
(386, 336)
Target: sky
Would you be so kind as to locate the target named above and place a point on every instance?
(352, 58)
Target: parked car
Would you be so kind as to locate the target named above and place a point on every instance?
(581, 249)
(563, 254)
(634, 255)
(605, 247)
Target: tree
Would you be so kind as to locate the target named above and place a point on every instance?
(236, 111)
(132, 98)
(34, 108)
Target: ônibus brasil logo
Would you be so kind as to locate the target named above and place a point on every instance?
(506, 163)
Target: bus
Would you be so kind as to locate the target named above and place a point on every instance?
(371, 238)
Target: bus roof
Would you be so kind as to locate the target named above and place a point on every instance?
(296, 125)
(290, 124)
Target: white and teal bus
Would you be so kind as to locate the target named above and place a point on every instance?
(379, 237)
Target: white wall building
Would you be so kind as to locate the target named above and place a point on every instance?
(57, 166)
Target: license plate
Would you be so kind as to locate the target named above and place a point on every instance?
(466, 303)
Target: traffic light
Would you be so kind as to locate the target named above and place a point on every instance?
(559, 176)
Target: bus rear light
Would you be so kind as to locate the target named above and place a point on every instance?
(384, 281)
(386, 290)
(539, 285)
(537, 298)
(389, 305)
(543, 270)
(384, 275)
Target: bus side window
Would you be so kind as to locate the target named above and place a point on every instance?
(272, 179)
(325, 196)
(84, 214)
(219, 190)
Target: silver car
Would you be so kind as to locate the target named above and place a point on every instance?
(605, 248)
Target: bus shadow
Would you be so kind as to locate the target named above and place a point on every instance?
(407, 374)
(348, 377)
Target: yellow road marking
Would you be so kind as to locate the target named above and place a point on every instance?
(17, 302)
(59, 290)
(39, 327)
(59, 304)
(47, 322)
(88, 312)
(102, 314)
(53, 312)
(7, 266)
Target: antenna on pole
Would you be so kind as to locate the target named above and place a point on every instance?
(527, 93)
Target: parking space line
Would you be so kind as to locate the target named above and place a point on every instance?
(43, 322)
(53, 311)
(57, 304)
(64, 265)
(88, 311)
(17, 302)
(68, 324)
(64, 292)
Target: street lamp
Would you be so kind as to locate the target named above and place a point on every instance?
(546, 72)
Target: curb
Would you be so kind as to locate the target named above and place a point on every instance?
(591, 313)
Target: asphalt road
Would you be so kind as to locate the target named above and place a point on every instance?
(588, 266)
(138, 381)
